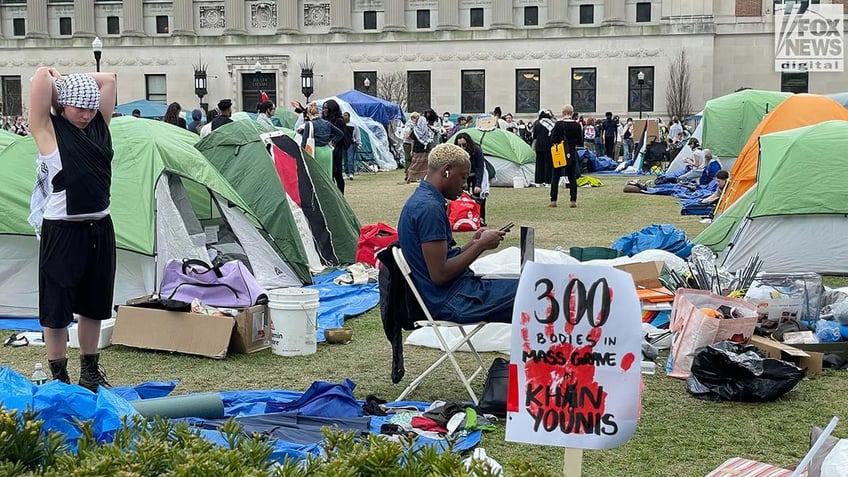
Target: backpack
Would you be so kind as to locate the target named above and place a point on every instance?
(589, 132)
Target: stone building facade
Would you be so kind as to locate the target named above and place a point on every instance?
(454, 55)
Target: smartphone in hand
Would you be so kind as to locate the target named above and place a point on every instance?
(507, 227)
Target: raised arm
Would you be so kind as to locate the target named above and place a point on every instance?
(42, 98)
(108, 84)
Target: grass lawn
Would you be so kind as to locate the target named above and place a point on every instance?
(677, 435)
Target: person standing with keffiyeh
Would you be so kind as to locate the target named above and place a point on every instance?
(69, 119)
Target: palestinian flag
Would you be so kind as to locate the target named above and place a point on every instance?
(334, 227)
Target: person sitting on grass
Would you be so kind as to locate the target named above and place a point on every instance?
(440, 269)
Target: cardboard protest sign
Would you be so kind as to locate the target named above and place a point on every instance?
(574, 366)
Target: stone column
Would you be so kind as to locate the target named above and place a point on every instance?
(234, 17)
(183, 18)
(133, 18)
(613, 13)
(340, 16)
(448, 15)
(84, 18)
(36, 21)
(557, 14)
(502, 15)
(395, 16)
(287, 17)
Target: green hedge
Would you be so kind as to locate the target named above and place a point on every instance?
(164, 448)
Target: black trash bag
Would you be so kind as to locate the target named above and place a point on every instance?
(728, 371)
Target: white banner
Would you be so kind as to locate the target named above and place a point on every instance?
(574, 364)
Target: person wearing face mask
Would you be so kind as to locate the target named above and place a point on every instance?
(70, 211)
(440, 269)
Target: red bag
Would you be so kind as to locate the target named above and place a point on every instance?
(372, 239)
(464, 214)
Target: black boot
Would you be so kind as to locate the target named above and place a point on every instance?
(91, 373)
(59, 369)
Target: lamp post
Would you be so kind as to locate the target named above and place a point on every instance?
(97, 48)
(640, 78)
(367, 84)
(306, 77)
(200, 85)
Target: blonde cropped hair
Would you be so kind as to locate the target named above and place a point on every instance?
(567, 110)
(312, 110)
(447, 154)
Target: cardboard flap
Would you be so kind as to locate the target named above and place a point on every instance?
(645, 274)
(810, 361)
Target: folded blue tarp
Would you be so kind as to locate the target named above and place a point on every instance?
(663, 237)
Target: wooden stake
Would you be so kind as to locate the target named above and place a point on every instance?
(572, 462)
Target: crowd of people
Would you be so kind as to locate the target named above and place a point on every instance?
(15, 125)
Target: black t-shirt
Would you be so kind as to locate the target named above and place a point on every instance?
(609, 127)
(571, 132)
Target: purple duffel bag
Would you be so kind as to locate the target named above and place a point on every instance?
(228, 285)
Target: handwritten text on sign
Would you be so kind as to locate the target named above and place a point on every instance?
(574, 362)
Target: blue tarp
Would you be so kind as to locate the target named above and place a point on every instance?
(58, 404)
(149, 109)
(377, 109)
(663, 237)
(340, 301)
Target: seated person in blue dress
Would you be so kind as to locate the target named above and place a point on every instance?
(440, 269)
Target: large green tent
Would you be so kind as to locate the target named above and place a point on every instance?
(508, 153)
(729, 120)
(167, 201)
(796, 217)
(239, 153)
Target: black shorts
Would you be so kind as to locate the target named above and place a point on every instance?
(76, 271)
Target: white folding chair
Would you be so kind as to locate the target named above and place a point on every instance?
(434, 325)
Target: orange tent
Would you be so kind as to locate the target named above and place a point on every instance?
(796, 111)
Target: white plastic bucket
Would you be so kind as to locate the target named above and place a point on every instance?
(294, 322)
(518, 183)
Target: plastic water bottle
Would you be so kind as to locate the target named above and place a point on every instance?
(39, 377)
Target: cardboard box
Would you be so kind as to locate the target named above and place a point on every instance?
(190, 333)
(645, 274)
(106, 328)
(253, 330)
(812, 361)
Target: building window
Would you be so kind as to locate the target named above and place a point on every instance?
(473, 91)
(531, 16)
(113, 25)
(587, 14)
(476, 17)
(10, 95)
(640, 98)
(365, 81)
(787, 5)
(423, 18)
(156, 87)
(418, 90)
(794, 82)
(369, 20)
(527, 91)
(643, 12)
(19, 26)
(65, 26)
(162, 24)
(584, 89)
